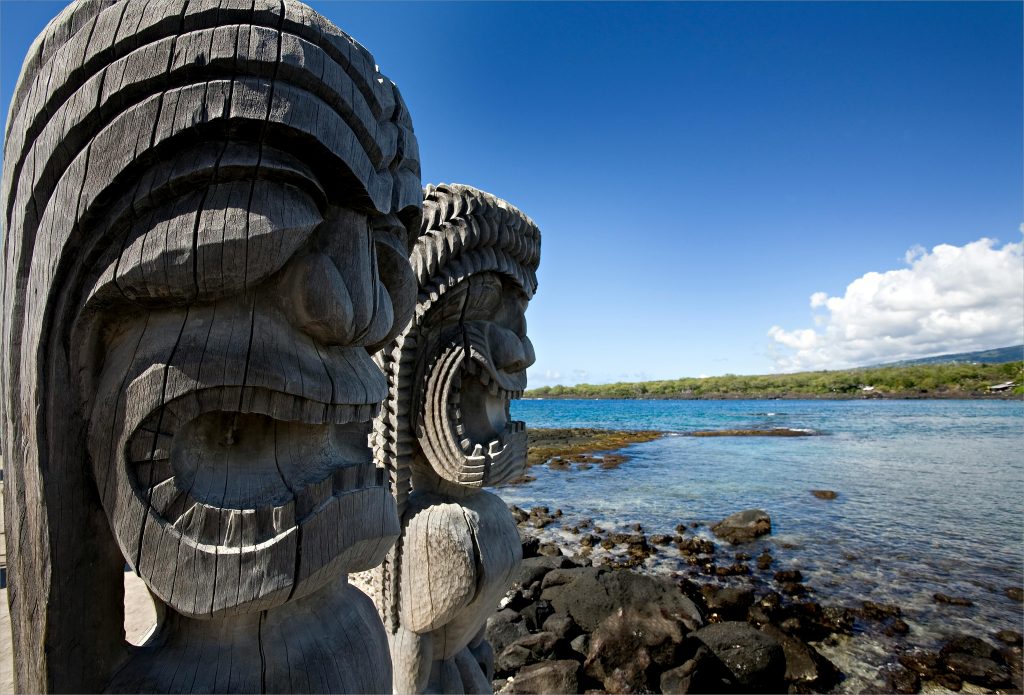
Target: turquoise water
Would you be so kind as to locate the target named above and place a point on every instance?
(931, 495)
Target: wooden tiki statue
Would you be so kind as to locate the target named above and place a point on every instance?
(445, 432)
(207, 209)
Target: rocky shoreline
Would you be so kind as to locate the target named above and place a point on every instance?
(607, 610)
(784, 396)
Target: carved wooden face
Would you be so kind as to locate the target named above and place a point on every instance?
(468, 435)
(229, 423)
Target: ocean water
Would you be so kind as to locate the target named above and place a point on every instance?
(931, 499)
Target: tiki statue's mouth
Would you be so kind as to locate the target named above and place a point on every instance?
(236, 478)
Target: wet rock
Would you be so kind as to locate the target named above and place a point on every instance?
(536, 613)
(1014, 593)
(898, 626)
(504, 628)
(971, 645)
(1010, 637)
(770, 601)
(805, 667)
(681, 529)
(764, 560)
(923, 663)
(728, 603)
(590, 540)
(631, 646)
(793, 589)
(558, 463)
(696, 546)
(837, 619)
(637, 527)
(561, 626)
(825, 494)
(660, 539)
(744, 526)
(757, 616)
(952, 600)
(549, 550)
(1013, 657)
(581, 644)
(978, 670)
(520, 515)
(533, 569)
(607, 543)
(541, 644)
(511, 659)
(901, 680)
(557, 577)
(737, 569)
(754, 660)
(687, 678)
(556, 677)
(949, 681)
(880, 611)
(530, 547)
(591, 598)
(812, 621)
(516, 600)
(786, 576)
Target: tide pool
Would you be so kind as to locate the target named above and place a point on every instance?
(931, 498)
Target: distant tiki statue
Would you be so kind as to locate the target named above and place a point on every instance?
(207, 212)
(445, 432)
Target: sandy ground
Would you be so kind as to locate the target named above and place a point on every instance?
(139, 618)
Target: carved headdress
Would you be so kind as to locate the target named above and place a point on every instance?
(159, 158)
(453, 370)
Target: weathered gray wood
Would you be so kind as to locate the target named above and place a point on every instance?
(175, 382)
(444, 433)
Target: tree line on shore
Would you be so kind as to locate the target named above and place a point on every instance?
(949, 380)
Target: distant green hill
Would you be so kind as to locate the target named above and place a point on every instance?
(943, 380)
(1012, 353)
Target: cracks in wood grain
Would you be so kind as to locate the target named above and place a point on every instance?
(263, 655)
(159, 422)
(477, 556)
(263, 138)
(112, 441)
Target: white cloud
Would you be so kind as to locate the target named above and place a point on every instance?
(951, 299)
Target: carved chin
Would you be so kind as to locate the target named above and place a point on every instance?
(275, 508)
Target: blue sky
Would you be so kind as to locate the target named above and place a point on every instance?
(700, 171)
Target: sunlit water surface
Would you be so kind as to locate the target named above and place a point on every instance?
(931, 499)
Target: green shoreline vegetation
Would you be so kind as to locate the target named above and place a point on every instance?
(949, 380)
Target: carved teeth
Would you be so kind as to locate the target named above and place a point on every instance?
(184, 521)
(478, 450)
(283, 517)
(493, 388)
(163, 495)
(465, 443)
(232, 533)
(494, 447)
